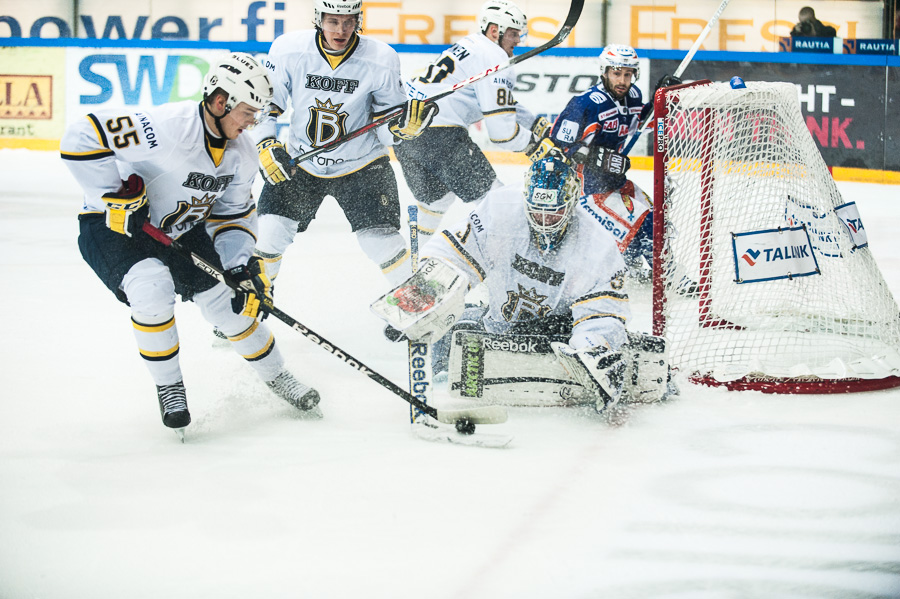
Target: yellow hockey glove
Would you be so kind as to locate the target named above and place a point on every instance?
(127, 209)
(416, 116)
(274, 161)
(255, 285)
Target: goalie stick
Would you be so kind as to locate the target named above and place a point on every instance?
(464, 420)
(679, 71)
(575, 9)
(419, 352)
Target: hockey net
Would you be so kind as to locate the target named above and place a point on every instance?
(763, 278)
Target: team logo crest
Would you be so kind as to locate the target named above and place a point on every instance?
(524, 305)
(188, 212)
(326, 123)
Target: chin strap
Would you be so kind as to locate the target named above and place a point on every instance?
(216, 119)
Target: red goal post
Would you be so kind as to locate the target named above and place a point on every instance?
(762, 274)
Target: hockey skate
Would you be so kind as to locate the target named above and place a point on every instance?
(173, 405)
(294, 392)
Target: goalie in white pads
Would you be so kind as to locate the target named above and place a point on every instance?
(550, 271)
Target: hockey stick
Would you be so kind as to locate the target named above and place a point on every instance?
(680, 70)
(572, 18)
(464, 420)
(419, 352)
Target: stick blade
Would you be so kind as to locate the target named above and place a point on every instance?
(478, 415)
(435, 432)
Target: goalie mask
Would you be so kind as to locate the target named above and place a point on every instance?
(551, 189)
(619, 56)
(505, 15)
(337, 7)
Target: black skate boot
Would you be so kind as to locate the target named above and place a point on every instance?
(173, 405)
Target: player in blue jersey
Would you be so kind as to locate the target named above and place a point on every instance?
(591, 131)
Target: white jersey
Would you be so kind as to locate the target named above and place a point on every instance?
(332, 96)
(188, 179)
(508, 124)
(584, 274)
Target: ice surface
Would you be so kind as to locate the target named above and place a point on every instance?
(715, 495)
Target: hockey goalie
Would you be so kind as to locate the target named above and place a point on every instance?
(554, 331)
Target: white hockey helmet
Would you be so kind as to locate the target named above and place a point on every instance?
(551, 190)
(618, 56)
(505, 15)
(241, 77)
(337, 7)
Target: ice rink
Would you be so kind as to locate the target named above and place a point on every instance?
(714, 495)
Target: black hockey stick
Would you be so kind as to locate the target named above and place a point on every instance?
(572, 18)
(464, 420)
(680, 70)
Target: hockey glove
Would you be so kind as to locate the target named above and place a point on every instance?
(255, 284)
(597, 369)
(546, 149)
(603, 160)
(274, 161)
(416, 116)
(127, 209)
(540, 131)
(666, 81)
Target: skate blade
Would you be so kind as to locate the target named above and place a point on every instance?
(314, 413)
(179, 432)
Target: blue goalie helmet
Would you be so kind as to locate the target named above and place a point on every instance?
(551, 189)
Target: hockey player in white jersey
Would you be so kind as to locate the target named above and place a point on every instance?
(337, 81)
(188, 169)
(444, 163)
(550, 271)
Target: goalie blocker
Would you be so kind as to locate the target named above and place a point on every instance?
(527, 370)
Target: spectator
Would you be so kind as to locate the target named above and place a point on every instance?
(810, 26)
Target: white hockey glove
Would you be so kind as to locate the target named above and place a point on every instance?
(427, 304)
(416, 116)
(597, 369)
(647, 377)
(274, 161)
(127, 209)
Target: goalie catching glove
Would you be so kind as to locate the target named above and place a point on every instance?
(416, 116)
(127, 209)
(274, 161)
(254, 285)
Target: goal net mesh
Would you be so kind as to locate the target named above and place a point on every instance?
(761, 270)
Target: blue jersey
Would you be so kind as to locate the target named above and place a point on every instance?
(597, 119)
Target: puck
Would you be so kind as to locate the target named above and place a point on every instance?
(465, 426)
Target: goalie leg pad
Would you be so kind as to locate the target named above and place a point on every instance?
(512, 370)
(647, 378)
(600, 371)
